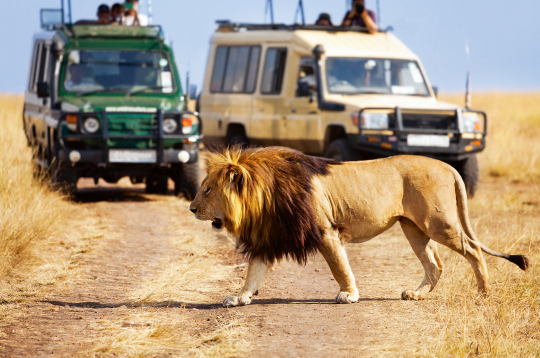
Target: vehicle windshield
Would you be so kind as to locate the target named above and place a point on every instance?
(95, 71)
(353, 75)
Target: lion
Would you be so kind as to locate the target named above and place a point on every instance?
(280, 203)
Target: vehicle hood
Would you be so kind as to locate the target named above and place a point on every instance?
(390, 101)
(119, 104)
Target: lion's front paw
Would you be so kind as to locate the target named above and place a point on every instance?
(233, 301)
(409, 295)
(346, 297)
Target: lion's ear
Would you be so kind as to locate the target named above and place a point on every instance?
(237, 178)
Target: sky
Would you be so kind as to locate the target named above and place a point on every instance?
(503, 36)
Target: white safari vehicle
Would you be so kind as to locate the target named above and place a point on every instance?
(335, 92)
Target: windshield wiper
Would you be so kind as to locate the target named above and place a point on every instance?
(104, 90)
(141, 90)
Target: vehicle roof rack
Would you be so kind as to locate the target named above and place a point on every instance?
(109, 31)
(227, 26)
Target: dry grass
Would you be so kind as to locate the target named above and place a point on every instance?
(513, 148)
(199, 277)
(170, 332)
(35, 247)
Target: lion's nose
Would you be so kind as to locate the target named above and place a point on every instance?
(193, 210)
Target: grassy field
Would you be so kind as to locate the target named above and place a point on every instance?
(37, 223)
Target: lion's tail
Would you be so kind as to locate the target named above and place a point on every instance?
(461, 193)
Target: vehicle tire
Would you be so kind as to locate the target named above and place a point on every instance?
(157, 184)
(63, 174)
(239, 139)
(342, 151)
(468, 169)
(186, 180)
(64, 177)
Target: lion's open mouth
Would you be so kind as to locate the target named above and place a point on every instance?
(217, 223)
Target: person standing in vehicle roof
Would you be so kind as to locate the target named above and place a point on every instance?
(117, 14)
(133, 17)
(360, 16)
(324, 20)
(104, 14)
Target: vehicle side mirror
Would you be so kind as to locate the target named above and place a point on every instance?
(43, 90)
(435, 91)
(303, 89)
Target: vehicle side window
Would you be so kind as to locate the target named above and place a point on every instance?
(235, 69)
(35, 66)
(274, 67)
(307, 79)
(42, 69)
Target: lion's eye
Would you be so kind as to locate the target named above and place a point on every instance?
(207, 191)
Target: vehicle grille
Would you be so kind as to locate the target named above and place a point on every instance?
(127, 124)
(429, 121)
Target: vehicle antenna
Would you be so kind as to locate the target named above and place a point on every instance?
(149, 11)
(69, 11)
(378, 14)
(300, 9)
(468, 82)
(186, 92)
(270, 6)
(62, 7)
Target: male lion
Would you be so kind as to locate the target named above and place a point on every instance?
(280, 203)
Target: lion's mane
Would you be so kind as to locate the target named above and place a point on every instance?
(267, 200)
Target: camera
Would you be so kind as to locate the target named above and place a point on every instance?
(359, 8)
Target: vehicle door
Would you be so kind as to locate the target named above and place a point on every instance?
(268, 125)
(231, 86)
(37, 109)
(302, 116)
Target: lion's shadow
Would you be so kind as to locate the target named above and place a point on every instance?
(203, 306)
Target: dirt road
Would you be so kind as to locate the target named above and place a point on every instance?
(294, 314)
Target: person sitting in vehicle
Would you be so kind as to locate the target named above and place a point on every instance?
(117, 14)
(324, 20)
(81, 78)
(360, 16)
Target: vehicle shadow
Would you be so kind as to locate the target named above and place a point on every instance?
(94, 195)
(124, 191)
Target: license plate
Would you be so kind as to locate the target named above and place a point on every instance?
(419, 140)
(132, 156)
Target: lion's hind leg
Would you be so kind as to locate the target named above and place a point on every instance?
(426, 251)
(336, 257)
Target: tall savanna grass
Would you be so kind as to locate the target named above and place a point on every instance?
(513, 148)
(29, 211)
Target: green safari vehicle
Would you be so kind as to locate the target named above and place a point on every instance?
(106, 102)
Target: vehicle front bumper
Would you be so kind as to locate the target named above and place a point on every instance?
(164, 156)
(100, 157)
(393, 141)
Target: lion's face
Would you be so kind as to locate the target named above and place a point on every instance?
(207, 202)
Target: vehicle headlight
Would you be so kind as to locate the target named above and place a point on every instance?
(91, 125)
(170, 125)
(472, 122)
(375, 120)
(187, 123)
